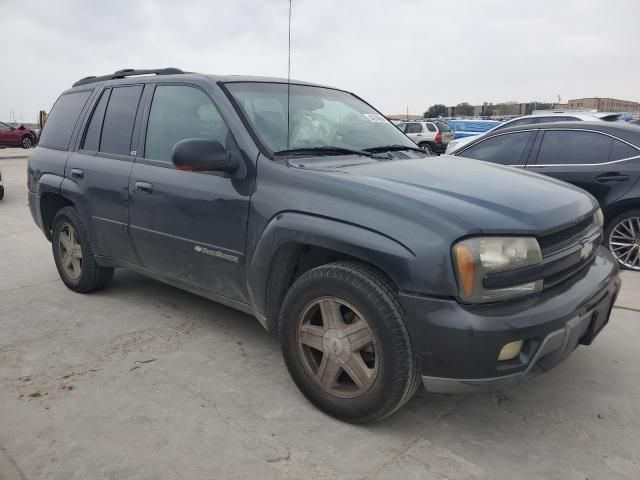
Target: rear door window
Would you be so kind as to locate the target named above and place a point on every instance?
(506, 149)
(413, 128)
(570, 147)
(431, 127)
(92, 135)
(62, 120)
(119, 119)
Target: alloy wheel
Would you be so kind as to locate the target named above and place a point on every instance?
(70, 252)
(26, 142)
(624, 242)
(338, 348)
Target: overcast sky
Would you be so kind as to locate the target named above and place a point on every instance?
(392, 53)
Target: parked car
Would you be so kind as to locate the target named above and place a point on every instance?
(555, 116)
(432, 136)
(16, 137)
(601, 157)
(470, 128)
(304, 207)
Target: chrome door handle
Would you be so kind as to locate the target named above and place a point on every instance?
(144, 187)
(77, 173)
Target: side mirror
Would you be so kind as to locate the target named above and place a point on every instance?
(201, 155)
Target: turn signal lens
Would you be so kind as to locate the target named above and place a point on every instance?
(599, 218)
(464, 259)
(510, 351)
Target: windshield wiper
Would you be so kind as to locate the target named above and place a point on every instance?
(326, 150)
(392, 148)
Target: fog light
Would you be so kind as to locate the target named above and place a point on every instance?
(510, 351)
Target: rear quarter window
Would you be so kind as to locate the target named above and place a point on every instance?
(62, 120)
(620, 151)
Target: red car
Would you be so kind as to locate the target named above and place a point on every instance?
(16, 137)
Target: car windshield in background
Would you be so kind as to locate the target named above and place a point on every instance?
(443, 127)
(319, 117)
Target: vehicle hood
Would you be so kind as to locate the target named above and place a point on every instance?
(494, 198)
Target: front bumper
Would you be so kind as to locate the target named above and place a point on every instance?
(458, 345)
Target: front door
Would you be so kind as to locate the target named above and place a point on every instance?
(188, 226)
(590, 160)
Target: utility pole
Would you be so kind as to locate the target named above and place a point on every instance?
(407, 113)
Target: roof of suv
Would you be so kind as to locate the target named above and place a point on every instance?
(177, 73)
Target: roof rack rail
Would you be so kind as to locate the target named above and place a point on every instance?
(128, 72)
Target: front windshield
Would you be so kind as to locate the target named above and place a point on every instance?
(319, 117)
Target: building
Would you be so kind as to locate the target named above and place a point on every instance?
(603, 105)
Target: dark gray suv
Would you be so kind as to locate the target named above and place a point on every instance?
(379, 267)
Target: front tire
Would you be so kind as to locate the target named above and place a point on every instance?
(622, 236)
(27, 142)
(73, 254)
(345, 342)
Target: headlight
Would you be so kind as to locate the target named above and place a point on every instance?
(599, 217)
(475, 258)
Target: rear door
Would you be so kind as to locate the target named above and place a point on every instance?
(588, 159)
(188, 226)
(102, 165)
(414, 131)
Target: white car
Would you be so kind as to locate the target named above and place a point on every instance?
(552, 116)
(432, 137)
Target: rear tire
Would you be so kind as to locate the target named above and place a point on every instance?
(73, 254)
(1, 193)
(622, 237)
(427, 148)
(374, 371)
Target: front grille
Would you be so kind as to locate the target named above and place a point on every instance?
(566, 252)
(560, 239)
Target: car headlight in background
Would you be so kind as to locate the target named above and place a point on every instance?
(599, 217)
(477, 257)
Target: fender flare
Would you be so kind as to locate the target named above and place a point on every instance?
(49, 183)
(385, 253)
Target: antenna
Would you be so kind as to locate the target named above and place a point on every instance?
(289, 79)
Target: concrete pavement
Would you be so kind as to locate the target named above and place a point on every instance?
(144, 381)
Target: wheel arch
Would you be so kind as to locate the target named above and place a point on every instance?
(50, 204)
(612, 211)
(294, 243)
